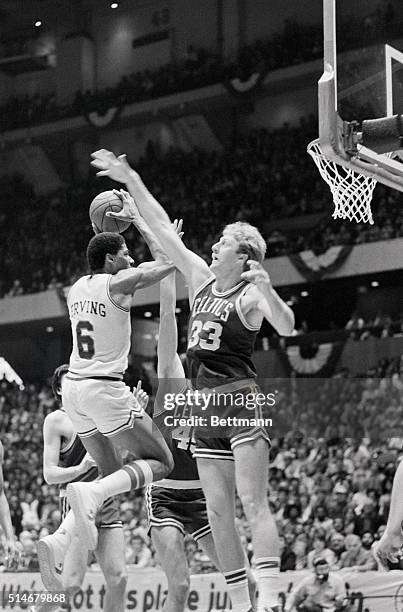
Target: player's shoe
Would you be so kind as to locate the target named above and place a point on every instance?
(85, 503)
(51, 552)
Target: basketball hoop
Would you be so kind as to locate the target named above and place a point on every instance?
(351, 191)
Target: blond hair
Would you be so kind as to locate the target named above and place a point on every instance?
(249, 238)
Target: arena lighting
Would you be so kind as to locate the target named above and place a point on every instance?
(147, 314)
(114, 5)
(304, 293)
(374, 284)
(38, 23)
(50, 329)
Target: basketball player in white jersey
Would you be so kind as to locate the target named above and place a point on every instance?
(62, 557)
(237, 293)
(11, 550)
(103, 410)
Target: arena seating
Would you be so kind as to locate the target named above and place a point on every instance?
(330, 476)
(265, 177)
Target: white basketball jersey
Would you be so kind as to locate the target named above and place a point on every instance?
(101, 328)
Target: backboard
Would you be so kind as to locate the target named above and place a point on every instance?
(361, 86)
(369, 57)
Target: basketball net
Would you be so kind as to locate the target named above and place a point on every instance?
(351, 191)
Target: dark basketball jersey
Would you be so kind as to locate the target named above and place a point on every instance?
(72, 455)
(180, 443)
(220, 341)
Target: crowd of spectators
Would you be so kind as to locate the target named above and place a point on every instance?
(295, 44)
(332, 466)
(264, 178)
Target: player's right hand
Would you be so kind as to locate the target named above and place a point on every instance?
(87, 463)
(141, 396)
(389, 549)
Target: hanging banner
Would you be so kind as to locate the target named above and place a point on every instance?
(102, 120)
(146, 591)
(309, 359)
(244, 87)
(315, 267)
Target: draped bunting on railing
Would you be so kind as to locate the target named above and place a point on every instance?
(314, 267)
(311, 359)
(243, 87)
(105, 119)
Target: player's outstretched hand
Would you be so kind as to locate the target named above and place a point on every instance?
(129, 211)
(257, 275)
(177, 225)
(141, 396)
(108, 164)
(389, 549)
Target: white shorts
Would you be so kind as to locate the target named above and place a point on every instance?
(103, 405)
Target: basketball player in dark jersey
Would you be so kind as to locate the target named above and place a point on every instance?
(11, 551)
(237, 294)
(176, 505)
(62, 556)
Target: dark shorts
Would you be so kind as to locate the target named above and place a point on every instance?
(184, 509)
(241, 420)
(107, 518)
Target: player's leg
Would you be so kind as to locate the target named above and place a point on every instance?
(143, 440)
(75, 565)
(109, 461)
(111, 557)
(207, 544)
(251, 472)
(168, 542)
(217, 477)
(120, 423)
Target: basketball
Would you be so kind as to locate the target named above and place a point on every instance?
(104, 202)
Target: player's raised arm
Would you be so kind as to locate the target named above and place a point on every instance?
(169, 363)
(265, 302)
(193, 267)
(142, 226)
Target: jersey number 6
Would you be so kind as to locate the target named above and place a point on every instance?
(85, 342)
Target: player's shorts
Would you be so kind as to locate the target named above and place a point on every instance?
(108, 516)
(99, 404)
(184, 509)
(243, 421)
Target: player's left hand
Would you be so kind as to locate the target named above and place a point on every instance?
(257, 275)
(388, 549)
(108, 164)
(129, 211)
(177, 225)
(141, 396)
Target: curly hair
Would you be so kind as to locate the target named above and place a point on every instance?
(100, 246)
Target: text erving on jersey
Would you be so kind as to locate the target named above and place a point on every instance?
(87, 307)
